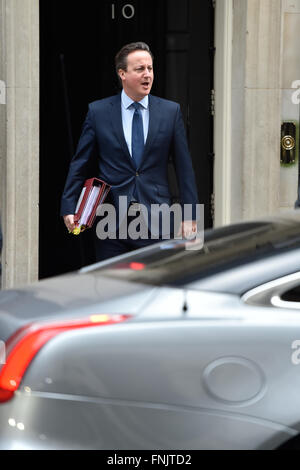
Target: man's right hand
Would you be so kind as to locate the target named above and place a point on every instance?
(69, 222)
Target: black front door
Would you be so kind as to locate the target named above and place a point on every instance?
(78, 42)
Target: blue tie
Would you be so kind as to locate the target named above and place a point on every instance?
(137, 138)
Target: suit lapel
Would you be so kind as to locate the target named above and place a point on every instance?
(116, 120)
(154, 122)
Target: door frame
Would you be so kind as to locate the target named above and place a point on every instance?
(222, 120)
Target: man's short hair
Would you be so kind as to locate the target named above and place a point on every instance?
(121, 56)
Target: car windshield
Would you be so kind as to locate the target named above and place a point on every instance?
(170, 263)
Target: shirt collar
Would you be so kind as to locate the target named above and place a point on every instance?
(126, 101)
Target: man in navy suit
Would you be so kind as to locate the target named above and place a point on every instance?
(131, 135)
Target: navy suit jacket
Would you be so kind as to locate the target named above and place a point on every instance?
(103, 137)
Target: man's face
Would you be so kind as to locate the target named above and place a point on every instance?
(138, 78)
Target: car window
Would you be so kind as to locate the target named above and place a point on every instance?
(292, 295)
(282, 292)
(169, 263)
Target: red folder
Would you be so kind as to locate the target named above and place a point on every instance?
(93, 193)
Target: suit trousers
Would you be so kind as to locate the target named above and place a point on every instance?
(108, 248)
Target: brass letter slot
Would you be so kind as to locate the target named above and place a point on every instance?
(288, 143)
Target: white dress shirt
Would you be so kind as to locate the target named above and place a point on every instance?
(127, 115)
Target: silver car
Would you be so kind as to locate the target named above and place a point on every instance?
(163, 348)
